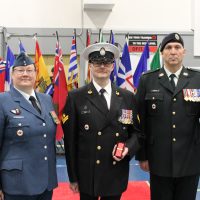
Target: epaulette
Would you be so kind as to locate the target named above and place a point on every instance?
(192, 69)
(150, 71)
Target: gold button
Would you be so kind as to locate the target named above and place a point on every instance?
(174, 99)
(99, 147)
(174, 126)
(98, 162)
(117, 134)
(174, 139)
(99, 133)
(114, 162)
(173, 113)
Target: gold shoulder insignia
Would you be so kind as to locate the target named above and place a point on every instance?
(64, 118)
(185, 74)
(138, 118)
(161, 74)
(89, 91)
(117, 93)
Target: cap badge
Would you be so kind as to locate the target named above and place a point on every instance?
(20, 132)
(102, 51)
(177, 37)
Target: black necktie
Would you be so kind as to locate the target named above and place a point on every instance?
(172, 76)
(33, 101)
(103, 98)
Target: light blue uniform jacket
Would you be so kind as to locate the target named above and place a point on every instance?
(27, 145)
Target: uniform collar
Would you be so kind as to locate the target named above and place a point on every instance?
(177, 73)
(25, 95)
(107, 88)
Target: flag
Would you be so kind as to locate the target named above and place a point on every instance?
(10, 59)
(101, 39)
(125, 68)
(113, 75)
(73, 66)
(21, 47)
(2, 74)
(121, 76)
(60, 88)
(155, 63)
(43, 81)
(142, 65)
(87, 69)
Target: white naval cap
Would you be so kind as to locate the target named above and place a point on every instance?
(101, 51)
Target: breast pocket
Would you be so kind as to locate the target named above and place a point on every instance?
(154, 102)
(192, 108)
(17, 130)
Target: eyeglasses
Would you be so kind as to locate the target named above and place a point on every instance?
(105, 64)
(22, 71)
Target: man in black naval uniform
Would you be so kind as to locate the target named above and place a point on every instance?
(169, 107)
(96, 117)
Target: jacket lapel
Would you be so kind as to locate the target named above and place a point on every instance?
(115, 104)
(42, 106)
(182, 81)
(95, 99)
(23, 103)
(164, 80)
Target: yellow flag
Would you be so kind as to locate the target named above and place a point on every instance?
(43, 81)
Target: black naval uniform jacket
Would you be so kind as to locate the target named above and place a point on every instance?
(170, 123)
(90, 135)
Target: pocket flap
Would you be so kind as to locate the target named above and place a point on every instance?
(154, 96)
(11, 165)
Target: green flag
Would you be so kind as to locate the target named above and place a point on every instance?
(155, 63)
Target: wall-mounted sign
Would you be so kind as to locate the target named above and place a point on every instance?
(137, 42)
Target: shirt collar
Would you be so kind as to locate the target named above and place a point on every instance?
(107, 87)
(25, 95)
(177, 73)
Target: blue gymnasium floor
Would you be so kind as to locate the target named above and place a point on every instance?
(136, 174)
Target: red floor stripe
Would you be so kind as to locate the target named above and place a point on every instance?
(137, 190)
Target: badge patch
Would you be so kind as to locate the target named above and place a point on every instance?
(54, 117)
(64, 118)
(16, 111)
(126, 117)
(18, 117)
